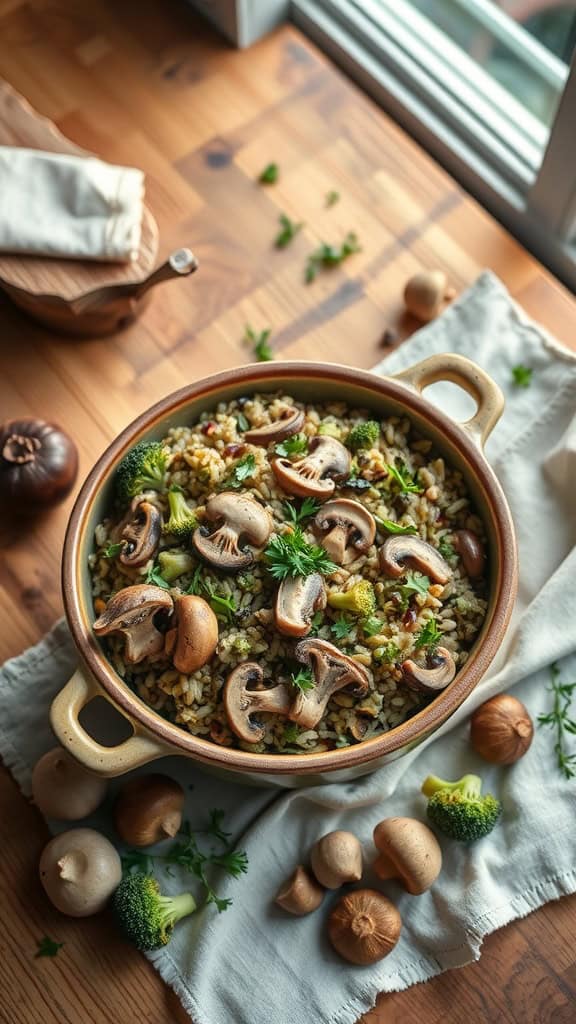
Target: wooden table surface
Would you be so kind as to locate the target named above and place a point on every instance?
(143, 82)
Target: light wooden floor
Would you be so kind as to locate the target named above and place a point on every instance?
(145, 83)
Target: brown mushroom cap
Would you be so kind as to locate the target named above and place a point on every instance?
(471, 551)
(239, 520)
(364, 926)
(196, 633)
(243, 703)
(398, 552)
(346, 529)
(409, 851)
(314, 475)
(290, 422)
(332, 671)
(433, 679)
(141, 534)
(301, 894)
(297, 599)
(131, 612)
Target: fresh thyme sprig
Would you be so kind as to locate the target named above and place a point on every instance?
(290, 554)
(559, 719)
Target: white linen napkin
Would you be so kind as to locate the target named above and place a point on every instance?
(255, 964)
(54, 204)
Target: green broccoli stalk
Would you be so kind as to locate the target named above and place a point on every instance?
(363, 435)
(359, 599)
(146, 917)
(182, 519)
(141, 469)
(174, 564)
(459, 810)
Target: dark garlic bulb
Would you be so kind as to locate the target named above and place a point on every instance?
(38, 464)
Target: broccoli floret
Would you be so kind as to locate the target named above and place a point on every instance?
(359, 599)
(330, 429)
(174, 564)
(141, 469)
(459, 810)
(182, 519)
(146, 917)
(363, 435)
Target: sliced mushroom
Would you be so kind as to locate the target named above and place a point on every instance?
(398, 552)
(332, 671)
(244, 701)
(141, 534)
(239, 520)
(290, 422)
(297, 599)
(346, 529)
(471, 551)
(195, 636)
(131, 612)
(314, 475)
(430, 680)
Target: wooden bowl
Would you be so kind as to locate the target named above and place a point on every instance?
(461, 444)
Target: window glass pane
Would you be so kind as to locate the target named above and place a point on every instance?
(524, 45)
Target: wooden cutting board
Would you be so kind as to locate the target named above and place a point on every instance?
(46, 287)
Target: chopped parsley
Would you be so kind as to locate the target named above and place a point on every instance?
(242, 421)
(522, 376)
(446, 548)
(47, 947)
(341, 628)
(406, 482)
(331, 198)
(317, 620)
(416, 583)
(308, 508)
(388, 653)
(223, 607)
(111, 550)
(391, 527)
(244, 468)
(292, 555)
(261, 349)
(288, 229)
(328, 256)
(302, 680)
(372, 625)
(155, 577)
(269, 176)
(295, 445)
(290, 734)
(429, 636)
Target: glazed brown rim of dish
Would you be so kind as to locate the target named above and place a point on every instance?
(408, 733)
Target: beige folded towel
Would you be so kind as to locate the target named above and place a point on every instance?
(53, 204)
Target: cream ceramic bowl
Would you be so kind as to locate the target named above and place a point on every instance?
(461, 444)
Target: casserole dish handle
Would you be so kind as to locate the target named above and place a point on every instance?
(105, 761)
(467, 375)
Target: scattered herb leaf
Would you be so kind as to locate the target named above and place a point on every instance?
(290, 734)
(522, 376)
(111, 550)
(341, 628)
(47, 947)
(223, 607)
(196, 584)
(332, 198)
(406, 482)
(391, 527)
(446, 548)
(295, 445)
(559, 719)
(269, 176)
(288, 229)
(388, 653)
(303, 680)
(290, 554)
(327, 256)
(416, 583)
(243, 469)
(308, 508)
(342, 741)
(316, 622)
(242, 421)
(429, 636)
(372, 625)
(155, 577)
(261, 348)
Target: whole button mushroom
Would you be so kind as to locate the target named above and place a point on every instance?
(148, 809)
(346, 529)
(332, 671)
(364, 927)
(131, 613)
(79, 871)
(63, 789)
(426, 292)
(297, 599)
(290, 422)
(301, 894)
(194, 638)
(245, 699)
(314, 475)
(398, 552)
(336, 858)
(238, 520)
(409, 851)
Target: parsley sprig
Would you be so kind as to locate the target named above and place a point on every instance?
(288, 230)
(416, 583)
(302, 680)
(259, 340)
(297, 444)
(341, 628)
(372, 625)
(155, 577)
(402, 476)
(47, 947)
(187, 853)
(327, 256)
(290, 554)
(522, 376)
(241, 471)
(395, 528)
(429, 636)
(560, 720)
(308, 508)
(446, 548)
(111, 550)
(269, 176)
